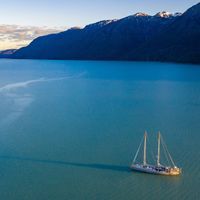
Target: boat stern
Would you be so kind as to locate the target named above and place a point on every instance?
(175, 171)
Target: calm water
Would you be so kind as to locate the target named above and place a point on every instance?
(69, 129)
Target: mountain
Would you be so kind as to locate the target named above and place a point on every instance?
(7, 53)
(177, 42)
(162, 37)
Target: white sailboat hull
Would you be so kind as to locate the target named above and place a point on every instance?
(150, 169)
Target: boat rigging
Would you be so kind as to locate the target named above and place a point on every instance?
(158, 168)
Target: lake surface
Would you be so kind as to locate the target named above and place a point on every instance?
(70, 129)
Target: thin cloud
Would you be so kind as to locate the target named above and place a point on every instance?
(14, 36)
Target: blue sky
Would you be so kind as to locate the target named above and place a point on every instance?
(80, 12)
(56, 15)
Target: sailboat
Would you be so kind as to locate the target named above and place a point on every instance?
(158, 168)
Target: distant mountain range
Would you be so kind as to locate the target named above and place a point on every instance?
(140, 37)
(7, 53)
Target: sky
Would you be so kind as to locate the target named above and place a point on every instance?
(23, 20)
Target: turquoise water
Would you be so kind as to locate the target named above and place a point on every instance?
(70, 129)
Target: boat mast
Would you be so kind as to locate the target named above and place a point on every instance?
(145, 149)
(158, 156)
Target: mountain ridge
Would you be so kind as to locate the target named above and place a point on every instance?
(162, 37)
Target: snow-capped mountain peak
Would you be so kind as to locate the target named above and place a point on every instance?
(140, 14)
(164, 14)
